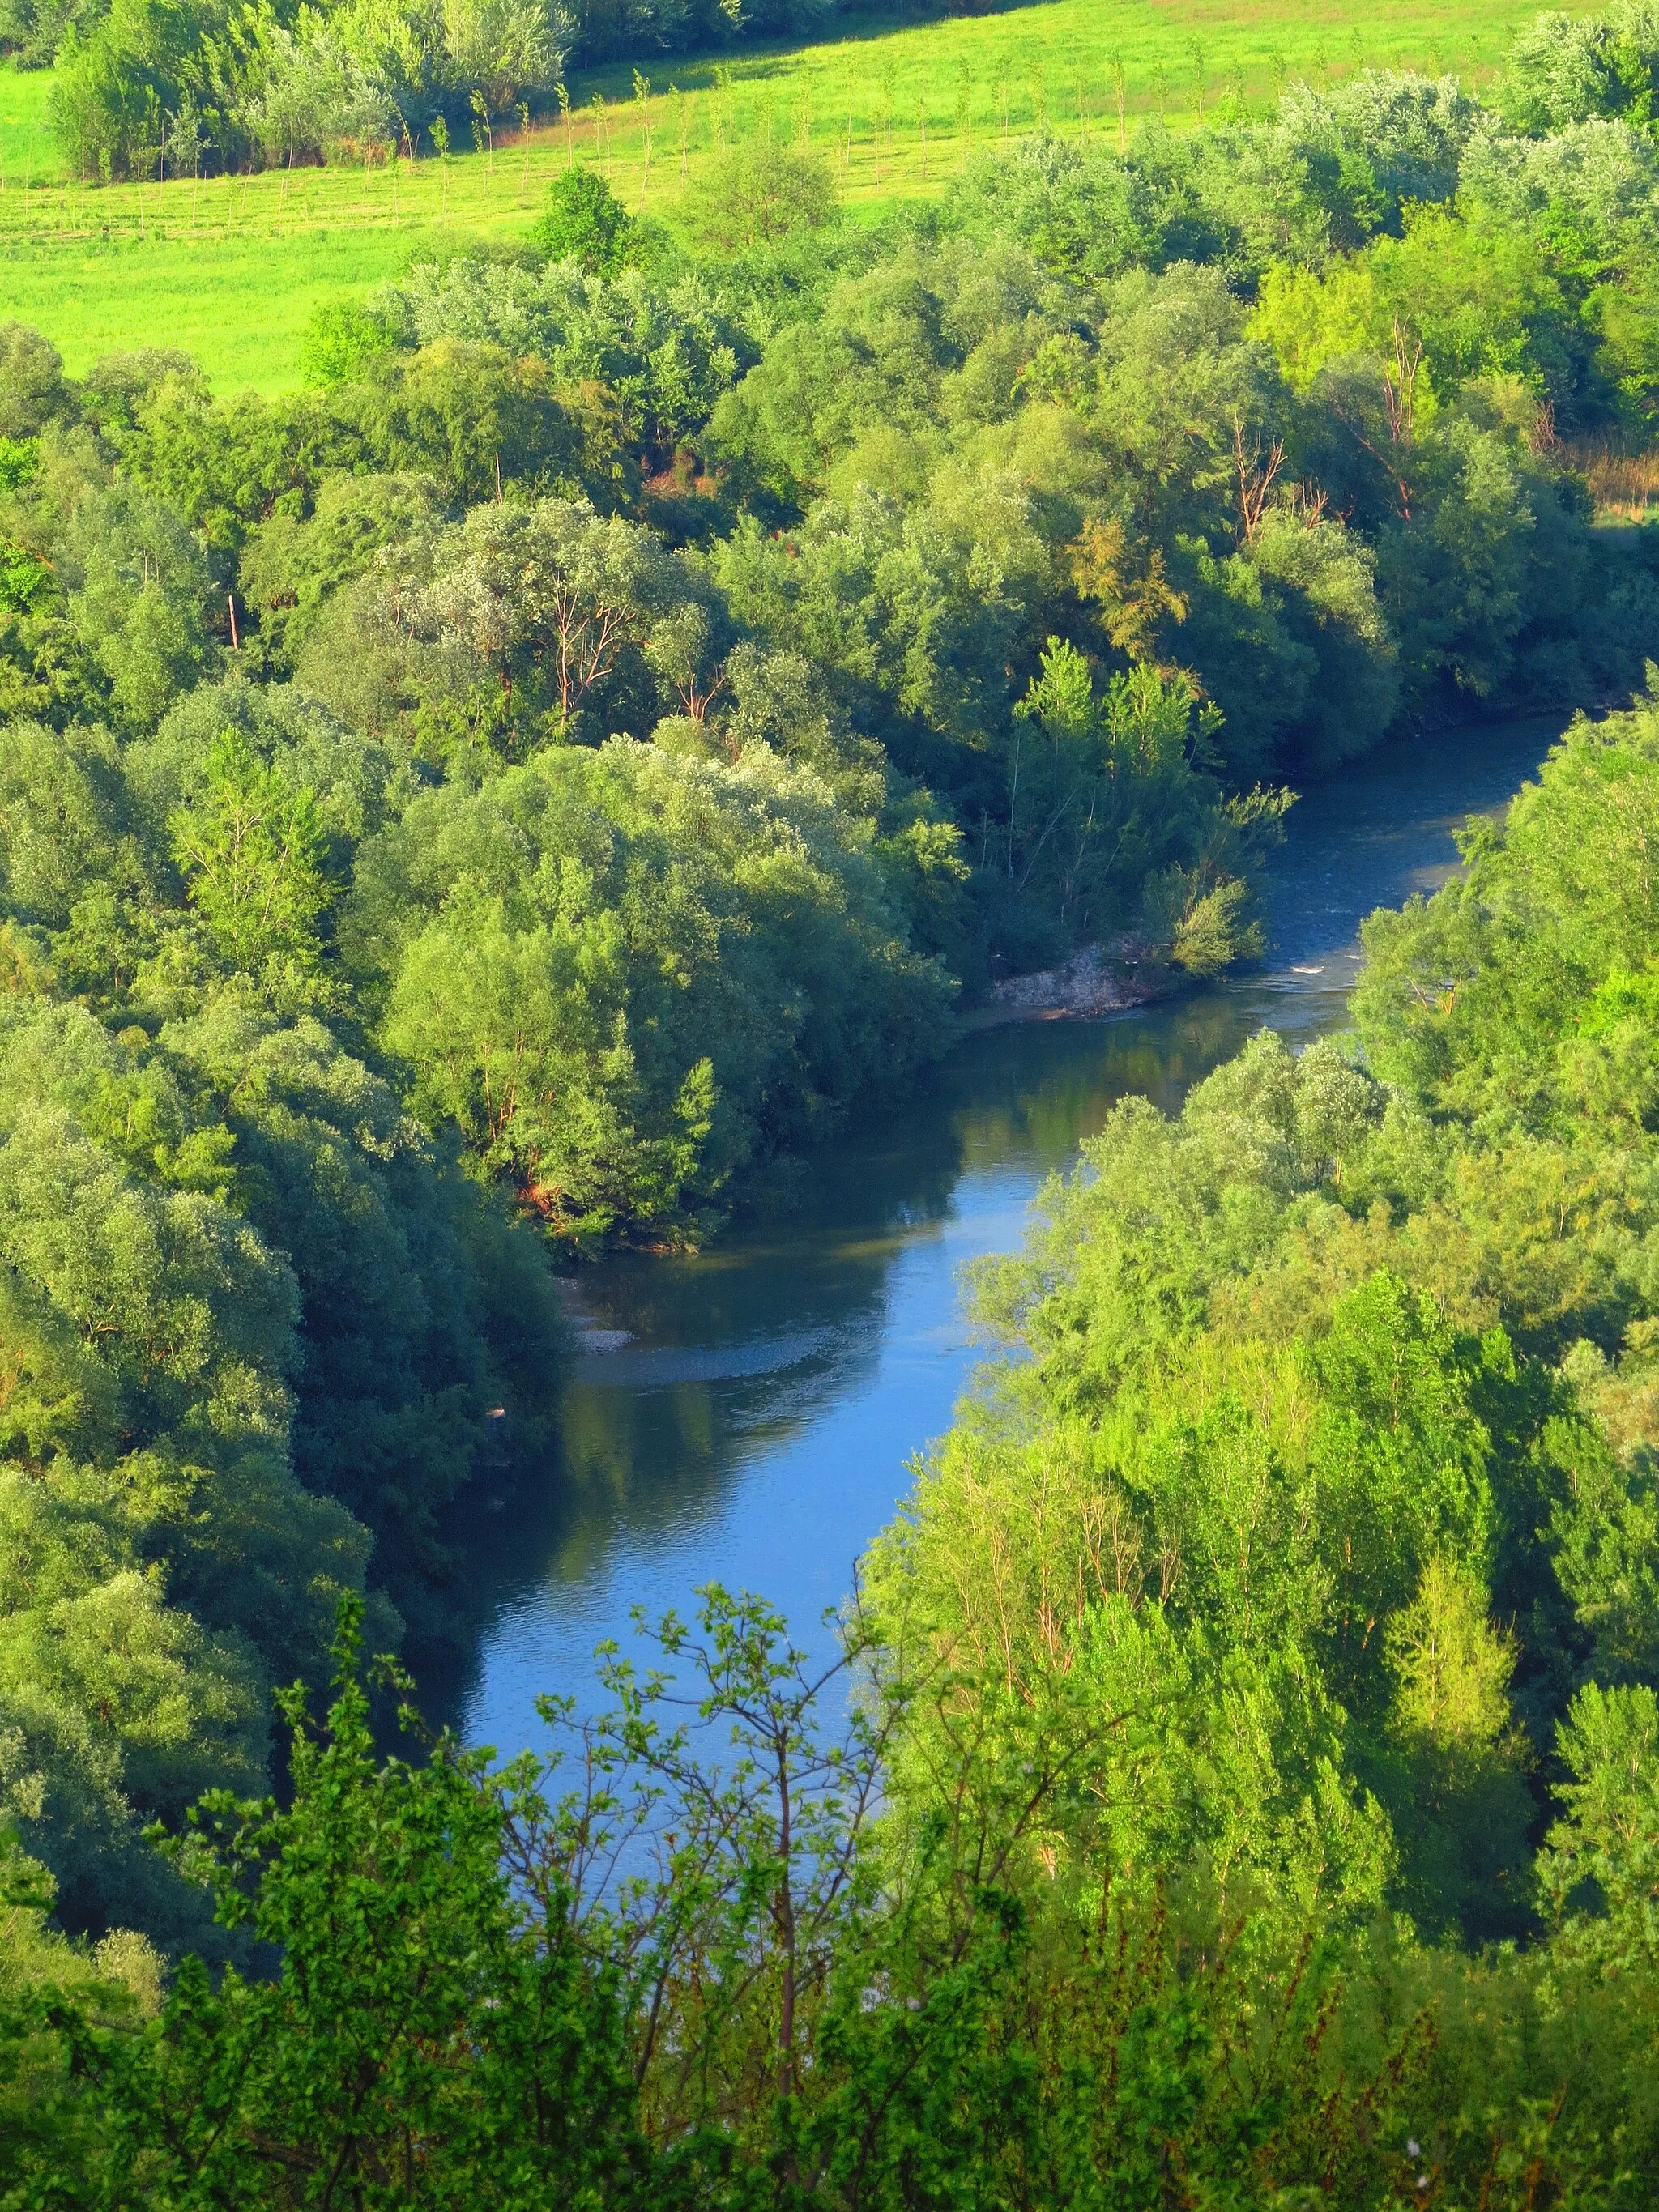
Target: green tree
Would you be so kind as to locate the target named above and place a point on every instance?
(1462, 1810)
(422, 2028)
(468, 414)
(1604, 1853)
(757, 195)
(585, 222)
(340, 340)
(34, 390)
(250, 848)
(141, 598)
(228, 467)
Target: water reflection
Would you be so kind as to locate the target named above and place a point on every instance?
(750, 1416)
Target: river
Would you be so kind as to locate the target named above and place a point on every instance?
(745, 1415)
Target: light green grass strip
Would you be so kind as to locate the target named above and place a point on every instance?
(238, 305)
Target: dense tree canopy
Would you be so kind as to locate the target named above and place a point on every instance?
(492, 804)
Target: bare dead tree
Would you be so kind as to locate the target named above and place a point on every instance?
(1255, 479)
(1400, 385)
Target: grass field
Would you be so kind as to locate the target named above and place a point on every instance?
(232, 268)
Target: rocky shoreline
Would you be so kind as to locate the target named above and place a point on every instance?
(1097, 979)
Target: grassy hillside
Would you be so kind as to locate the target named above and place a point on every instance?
(29, 154)
(232, 269)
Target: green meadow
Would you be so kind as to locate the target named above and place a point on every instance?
(231, 269)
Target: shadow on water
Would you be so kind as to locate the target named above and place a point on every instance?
(746, 1414)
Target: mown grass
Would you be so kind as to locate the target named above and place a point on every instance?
(232, 269)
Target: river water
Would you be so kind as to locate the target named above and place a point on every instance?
(745, 1415)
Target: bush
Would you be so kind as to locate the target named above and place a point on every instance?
(340, 340)
(585, 222)
(758, 195)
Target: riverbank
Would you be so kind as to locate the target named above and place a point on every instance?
(1095, 980)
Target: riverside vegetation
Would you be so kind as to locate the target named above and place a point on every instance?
(513, 797)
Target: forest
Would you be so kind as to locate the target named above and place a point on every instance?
(512, 800)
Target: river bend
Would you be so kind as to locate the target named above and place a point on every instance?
(745, 1415)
